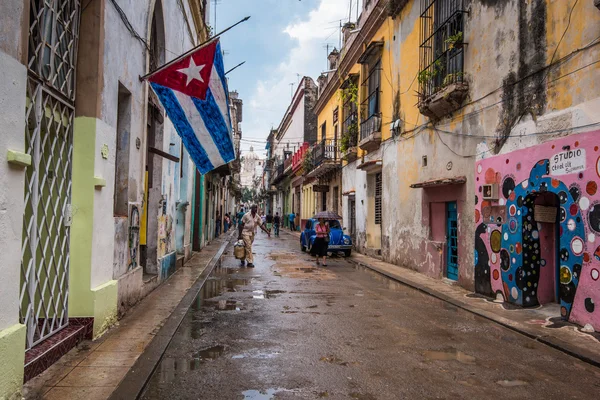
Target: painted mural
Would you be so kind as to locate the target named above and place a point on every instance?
(538, 240)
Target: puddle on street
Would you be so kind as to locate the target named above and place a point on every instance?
(211, 353)
(258, 294)
(452, 355)
(262, 394)
(271, 294)
(513, 383)
(258, 356)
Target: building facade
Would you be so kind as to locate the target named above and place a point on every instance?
(470, 145)
(100, 195)
(296, 132)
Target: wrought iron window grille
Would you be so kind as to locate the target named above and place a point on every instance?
(441, 53)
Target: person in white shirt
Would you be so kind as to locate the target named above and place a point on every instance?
(247, 229)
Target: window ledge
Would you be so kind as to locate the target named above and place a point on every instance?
(444, 102)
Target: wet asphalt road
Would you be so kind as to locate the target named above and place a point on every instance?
(287, 330)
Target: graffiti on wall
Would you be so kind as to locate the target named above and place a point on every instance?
(134, 236)
(538, 241)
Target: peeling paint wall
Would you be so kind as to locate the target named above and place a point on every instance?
(513, 101)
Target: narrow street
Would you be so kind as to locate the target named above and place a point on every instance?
(287, 329)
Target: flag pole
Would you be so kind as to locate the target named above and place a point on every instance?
(142, 78)
(239, 65)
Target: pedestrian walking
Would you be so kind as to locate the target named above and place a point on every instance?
(292, 221)
(276, 223)
(239, 216)
(269, 220)
(247, 230)
(226, 223)
(319, 247)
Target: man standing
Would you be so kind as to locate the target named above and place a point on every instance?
(247, 228)
(276, 224)
(292, 222)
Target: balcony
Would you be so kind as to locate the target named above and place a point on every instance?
(278, 174)
(325, 158)
(349, 142)
(370, 133)
(298, 158)
(287, 165)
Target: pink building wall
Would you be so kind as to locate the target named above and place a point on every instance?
(510, 257)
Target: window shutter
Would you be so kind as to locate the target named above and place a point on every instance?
(378, 192)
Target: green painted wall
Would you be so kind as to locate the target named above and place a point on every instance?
(12, 354)
(100, 302)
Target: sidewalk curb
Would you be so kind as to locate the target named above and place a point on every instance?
(553, 342)
(134, 382)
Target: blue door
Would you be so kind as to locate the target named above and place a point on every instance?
(451, 241)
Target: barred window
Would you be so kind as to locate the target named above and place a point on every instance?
(441, 51)
(378, 193)
(53, 30)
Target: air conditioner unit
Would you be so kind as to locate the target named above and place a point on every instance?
(490, 191)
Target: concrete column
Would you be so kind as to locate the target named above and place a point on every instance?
(13, 165)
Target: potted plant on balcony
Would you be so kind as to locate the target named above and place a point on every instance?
(347, 144)
(307, 162)
(455, 41)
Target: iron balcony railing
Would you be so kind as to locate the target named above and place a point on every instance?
(370, 126)
(350, 130)
(326, 150)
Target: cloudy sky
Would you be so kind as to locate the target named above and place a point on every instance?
(283, 38)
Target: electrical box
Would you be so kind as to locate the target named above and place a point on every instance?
(490, 191)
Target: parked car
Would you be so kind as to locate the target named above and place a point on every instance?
(338, 241)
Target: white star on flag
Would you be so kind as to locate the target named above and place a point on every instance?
(192, 71)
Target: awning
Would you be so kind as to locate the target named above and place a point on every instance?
(371, 166)
(440, 182)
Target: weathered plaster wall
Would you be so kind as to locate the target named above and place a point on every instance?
(12, 179)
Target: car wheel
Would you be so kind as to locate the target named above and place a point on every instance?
(347, 253)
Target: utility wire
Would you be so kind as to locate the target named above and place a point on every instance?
(561, 38)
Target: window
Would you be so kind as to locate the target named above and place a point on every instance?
(441, 53)
(378, 193)
(121, 195)
(370, 106)
(323, 131)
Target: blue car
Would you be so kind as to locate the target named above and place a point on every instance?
(338, 241)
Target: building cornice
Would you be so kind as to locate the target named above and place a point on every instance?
(350, 57)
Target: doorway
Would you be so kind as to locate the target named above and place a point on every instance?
(545, 215)
(451, 241)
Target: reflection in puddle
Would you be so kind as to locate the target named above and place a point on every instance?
(452, 355)
(260, 394)
(211, 353)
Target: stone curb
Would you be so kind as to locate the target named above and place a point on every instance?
(134, 382)
(554, 342)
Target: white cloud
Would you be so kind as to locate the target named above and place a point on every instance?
(271, 96)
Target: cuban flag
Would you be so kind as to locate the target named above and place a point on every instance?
(194, 93)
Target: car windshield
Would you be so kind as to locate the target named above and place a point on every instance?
(334, 224)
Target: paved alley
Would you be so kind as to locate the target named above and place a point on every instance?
(287, 329)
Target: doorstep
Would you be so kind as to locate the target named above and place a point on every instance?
(542, 324)
(95, 368)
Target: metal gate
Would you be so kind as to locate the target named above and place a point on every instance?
(452, 241)
(53, 30)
